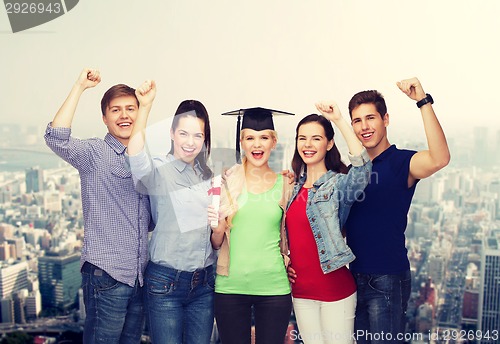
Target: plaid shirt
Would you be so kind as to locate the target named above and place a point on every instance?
(116, 217)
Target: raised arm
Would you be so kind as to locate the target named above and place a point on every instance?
(145, 95)
(427, 162)
(64, 117)
(332, 112)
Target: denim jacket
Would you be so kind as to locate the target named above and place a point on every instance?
(328, 205)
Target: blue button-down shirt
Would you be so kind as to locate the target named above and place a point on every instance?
(179, 201)
(116, 217)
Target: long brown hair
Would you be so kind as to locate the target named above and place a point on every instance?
(186, 108)
(333, 161)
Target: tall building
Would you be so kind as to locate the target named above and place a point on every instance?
(60, 279)
(33, 304)
(81, 306)
(489, 294)
(18, 245)
(470, 305)
(34, 179)
(7, 310)
(6, 231)
(4, 251)
(13, 278)
(19, 306)
(436, 267)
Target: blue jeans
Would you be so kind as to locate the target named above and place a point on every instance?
(381, 307)
(114, 310)
(180, 304)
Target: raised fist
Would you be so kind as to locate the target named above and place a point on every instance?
(146, 92)
(89, 78)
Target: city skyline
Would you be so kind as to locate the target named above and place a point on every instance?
(278, 54)
(283, 55)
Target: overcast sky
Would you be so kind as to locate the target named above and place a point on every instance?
(284, 55)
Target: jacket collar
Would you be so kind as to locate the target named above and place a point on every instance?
(317, 183)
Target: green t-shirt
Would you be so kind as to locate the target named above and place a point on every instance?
(256, 265)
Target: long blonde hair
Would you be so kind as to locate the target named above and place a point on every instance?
(235, 183)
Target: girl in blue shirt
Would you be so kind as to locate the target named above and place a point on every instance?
(179, 278)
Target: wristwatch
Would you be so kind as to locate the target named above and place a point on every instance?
(427, 99)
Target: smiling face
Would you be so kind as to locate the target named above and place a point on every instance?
(188, 138)
(370, 128)
(312, 144)
(120, 116)
(257, 145)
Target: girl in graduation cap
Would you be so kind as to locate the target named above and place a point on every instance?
(251, 268)
(324, 290)
(180, 277)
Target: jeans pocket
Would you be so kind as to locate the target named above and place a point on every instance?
(103, 282)
(211, 281)
(156, 286)
(383, 284)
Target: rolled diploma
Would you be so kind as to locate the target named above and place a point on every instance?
(217, 181)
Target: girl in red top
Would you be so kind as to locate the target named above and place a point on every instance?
(324, 303)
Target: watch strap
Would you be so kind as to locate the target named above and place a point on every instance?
(427, 99)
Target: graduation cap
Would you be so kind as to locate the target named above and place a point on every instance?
(256, 118)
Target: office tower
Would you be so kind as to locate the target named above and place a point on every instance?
(6, 231)
(7, 310)
(52, 202)
(18, 245)
(33, 304)
(81, 306)
(19, 306)
(13, 278)
(470, 305)
(4, 251)
(5, 195)
(60, 279)
(34, 179)
(436, 267)
(489, 294)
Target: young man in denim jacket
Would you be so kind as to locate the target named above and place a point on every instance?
(377, 223)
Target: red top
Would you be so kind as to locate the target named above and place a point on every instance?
(311, 282)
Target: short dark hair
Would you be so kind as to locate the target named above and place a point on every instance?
(120, 90)
(333, 161)
(185, 109)
(368, 97)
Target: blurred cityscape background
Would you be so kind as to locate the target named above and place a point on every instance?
(453, 240)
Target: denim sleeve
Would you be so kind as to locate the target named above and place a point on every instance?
(78, 153)
(351, 186)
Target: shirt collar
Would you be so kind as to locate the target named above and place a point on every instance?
(386, 154)
(116, 145)
(181, 165)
